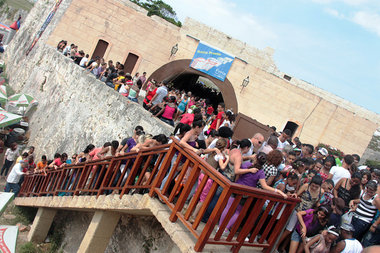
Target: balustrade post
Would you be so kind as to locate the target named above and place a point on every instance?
(214, 218)
(185, 193)
(163, 169)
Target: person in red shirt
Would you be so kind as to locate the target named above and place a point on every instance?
(219, 118)
(188, 118)
(150, 94)
(210, 110)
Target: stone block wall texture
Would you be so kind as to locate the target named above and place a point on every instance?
(132, 234)
(269, 98)
(74, 108)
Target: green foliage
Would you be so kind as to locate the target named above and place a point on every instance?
(24, 215)
(372, 164)
(332, 151)
(29, 247)
(19, 4)
(159, 8)
(2, 2)
(374, 144)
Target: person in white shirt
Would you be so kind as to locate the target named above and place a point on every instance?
(160, 94)
(337, 173)
(282, 139)
(9, 158)
(84, 61)
(15, 176)
(256, 142)
(349, 244)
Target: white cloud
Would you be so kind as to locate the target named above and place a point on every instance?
(369, 20)
(334, 13)
(349, 2)
(224, 16)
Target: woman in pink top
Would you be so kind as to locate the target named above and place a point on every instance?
(169, 111)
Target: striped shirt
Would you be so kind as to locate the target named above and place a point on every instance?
(366, 210)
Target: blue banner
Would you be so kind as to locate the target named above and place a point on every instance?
(211, 61)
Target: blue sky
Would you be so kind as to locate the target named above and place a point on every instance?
(333, 44)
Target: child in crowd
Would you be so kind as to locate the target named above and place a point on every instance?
(42, 165)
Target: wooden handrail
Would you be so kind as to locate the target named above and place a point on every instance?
(172, 173)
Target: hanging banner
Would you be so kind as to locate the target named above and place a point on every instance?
(212, 61)
(44, 25)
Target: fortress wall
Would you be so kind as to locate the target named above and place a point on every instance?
(74, 108)
(126, 30)
(269, 98)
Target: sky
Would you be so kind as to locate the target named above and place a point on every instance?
(332, 44)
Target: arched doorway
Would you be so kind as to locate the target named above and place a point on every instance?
(173, 70)
(100, 49)
(292, 126)
(130, 63)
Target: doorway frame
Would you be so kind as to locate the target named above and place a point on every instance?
(173, 69)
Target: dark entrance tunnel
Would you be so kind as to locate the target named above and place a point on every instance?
(199, 86)
(175, 69)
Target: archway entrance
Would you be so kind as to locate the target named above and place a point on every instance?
(181, 75)
(292, 126)
(199, 86)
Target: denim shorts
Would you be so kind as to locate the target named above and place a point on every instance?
(296, 237)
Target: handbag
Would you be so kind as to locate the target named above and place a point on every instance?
(347, 217)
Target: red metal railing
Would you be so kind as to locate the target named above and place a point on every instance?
(172, 173)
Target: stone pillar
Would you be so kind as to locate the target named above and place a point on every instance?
(99, 232)
(41, 224)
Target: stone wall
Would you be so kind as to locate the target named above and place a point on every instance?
(140, 234)
(74, 108)
(133, 233)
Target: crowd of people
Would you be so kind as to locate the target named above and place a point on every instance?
(170, 105)
(339, 209)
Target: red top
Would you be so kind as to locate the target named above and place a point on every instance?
(94, 153)
(58, 162)
(219, 116)
(187, 119)
(210, 110)
(149, 96)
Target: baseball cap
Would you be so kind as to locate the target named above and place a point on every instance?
(323, 151)
(347, 227)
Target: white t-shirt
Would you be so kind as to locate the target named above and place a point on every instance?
(83, 61)
(123, 89)
(281, 145)
(161, 93)
(217, 157)
(339, 173)
(10, 154)
(352, 246)
(15, 174)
